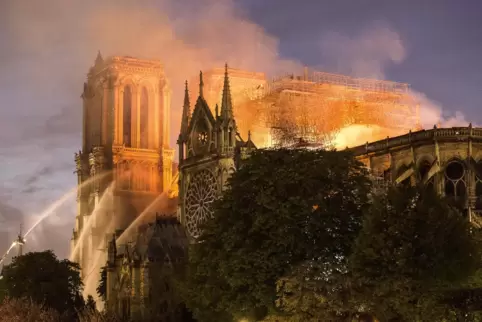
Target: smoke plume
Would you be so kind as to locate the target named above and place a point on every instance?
(369, 53)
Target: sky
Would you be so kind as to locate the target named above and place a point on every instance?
(47, 47)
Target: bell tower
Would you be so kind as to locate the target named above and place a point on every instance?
(125, 163)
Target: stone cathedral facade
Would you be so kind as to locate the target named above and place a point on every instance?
(125, 162)
(447, 159)
(210, 149)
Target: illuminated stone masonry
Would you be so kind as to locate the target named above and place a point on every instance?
(313, 106)
(449, 159)
(210, 149)
(125, 158)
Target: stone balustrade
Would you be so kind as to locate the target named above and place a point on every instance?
(419, 137)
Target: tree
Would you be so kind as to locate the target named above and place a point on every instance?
(23, 310)
(102, 287)
(90, 304)
(46, 280)
(281, 209)
(414, 245)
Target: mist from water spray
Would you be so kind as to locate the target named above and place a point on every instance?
(162, 197)
(52, 208)
(93, 273)
(96, 258)
(90, 221)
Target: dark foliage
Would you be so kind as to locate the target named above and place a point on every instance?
(102, 287)
(282, 209)
(46, 280)
(413, 247)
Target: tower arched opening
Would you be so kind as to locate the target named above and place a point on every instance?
(127, 116)
(144, 119)
(423, 173)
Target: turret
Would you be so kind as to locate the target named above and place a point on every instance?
(186, 113)
(226, 103)
(225, 121)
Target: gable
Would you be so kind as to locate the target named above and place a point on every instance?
(202, 112)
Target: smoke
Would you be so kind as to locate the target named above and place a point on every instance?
(369, 53)
(52, 44)
(366, 54)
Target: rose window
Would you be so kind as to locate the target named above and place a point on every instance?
(200, 196)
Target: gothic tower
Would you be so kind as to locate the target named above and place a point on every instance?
(208, 149)
(125, 162)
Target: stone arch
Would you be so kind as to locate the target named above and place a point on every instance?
(403, 174)
(455, 178)
(424, 165)
(144, 114)
(148, 83)
(201, 135)
(127, 96)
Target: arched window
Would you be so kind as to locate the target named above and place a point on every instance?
(478, 185)
(455, 180)
(423, 170)
(144, 121)
(127, 116)
(230, 137)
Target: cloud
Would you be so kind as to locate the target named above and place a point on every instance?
(369, 53)
(365, 54)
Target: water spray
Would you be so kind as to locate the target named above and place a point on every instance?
(21, 239)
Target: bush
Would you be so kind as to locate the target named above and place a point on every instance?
(24, 310)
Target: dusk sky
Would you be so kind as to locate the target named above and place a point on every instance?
(47, 47)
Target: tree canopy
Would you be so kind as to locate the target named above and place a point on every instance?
(413, 248)
(281, 209)
(46, 280)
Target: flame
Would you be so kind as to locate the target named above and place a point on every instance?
(314, 107)
(354, 135)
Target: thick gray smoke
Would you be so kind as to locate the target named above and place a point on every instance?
(369, 53)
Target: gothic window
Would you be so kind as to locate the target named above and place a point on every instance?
(203, 137)
(127, 116)
(423, 170)
(455, 180)
(144, 120)
(200, 195)
(478, 185)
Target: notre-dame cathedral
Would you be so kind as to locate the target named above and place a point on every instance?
(126, 162)
(126, 172)
(126, 165)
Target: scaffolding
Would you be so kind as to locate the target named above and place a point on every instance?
(314, 106)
